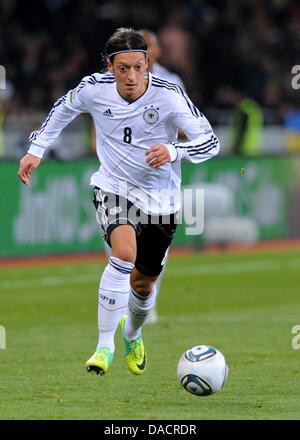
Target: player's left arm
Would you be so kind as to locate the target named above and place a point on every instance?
(203, 144)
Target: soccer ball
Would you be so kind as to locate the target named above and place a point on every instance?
(202, 370)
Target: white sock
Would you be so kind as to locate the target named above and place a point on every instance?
(157, 285)
(113, 299)
(139, 308)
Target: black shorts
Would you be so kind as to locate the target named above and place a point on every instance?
(153, 233)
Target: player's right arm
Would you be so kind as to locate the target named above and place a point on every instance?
(62, 113)
(28, 163)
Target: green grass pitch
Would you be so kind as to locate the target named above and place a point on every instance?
(243, 304)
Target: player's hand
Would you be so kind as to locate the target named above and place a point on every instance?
(28, 163)
(158, 155)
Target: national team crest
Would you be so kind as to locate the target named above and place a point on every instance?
(151, 115)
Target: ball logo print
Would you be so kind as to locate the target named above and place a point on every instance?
(196, 357)
(202, 370)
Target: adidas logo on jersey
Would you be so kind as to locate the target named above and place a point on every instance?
(108, 113)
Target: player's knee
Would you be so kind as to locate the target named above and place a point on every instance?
(125, 253)
(142, 286)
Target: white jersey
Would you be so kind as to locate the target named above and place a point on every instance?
(125, 130)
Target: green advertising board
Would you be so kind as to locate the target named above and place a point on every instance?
(55, 214)
(260, 187)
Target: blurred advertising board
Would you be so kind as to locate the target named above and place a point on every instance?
(55, 214)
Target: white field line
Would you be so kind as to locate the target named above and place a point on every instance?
(59, 270)
(239, 316)
(50, 282)
(195, 270)
(230, 268)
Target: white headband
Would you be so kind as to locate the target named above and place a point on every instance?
(126, 50)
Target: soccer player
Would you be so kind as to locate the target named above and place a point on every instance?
(154, 53)
(137, 187)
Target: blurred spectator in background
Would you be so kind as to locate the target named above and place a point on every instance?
(204, 41)
(291, 124)
(246, 126)
(208, 43)
(246, 123)
(154, 53)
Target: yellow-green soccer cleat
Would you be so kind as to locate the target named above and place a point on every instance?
(135, 352)
(100, 362)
